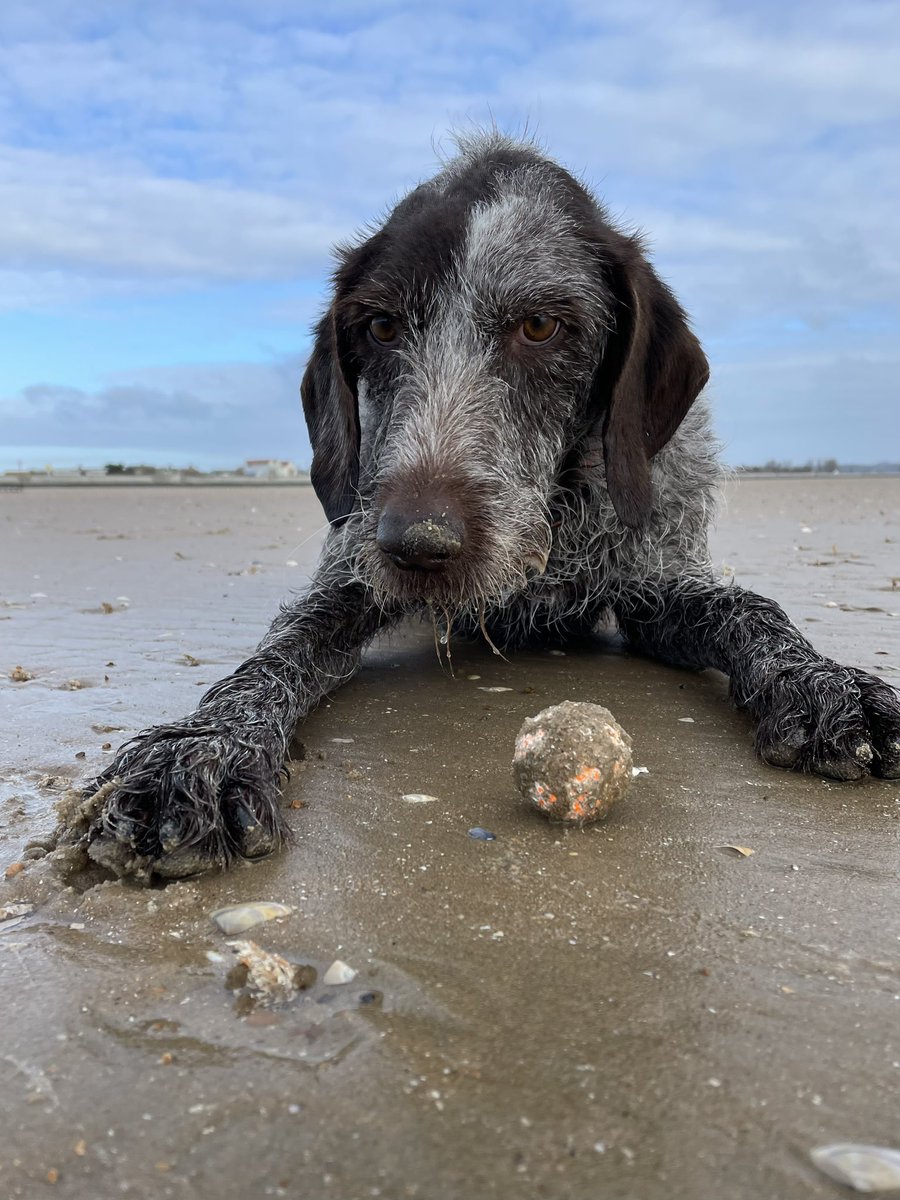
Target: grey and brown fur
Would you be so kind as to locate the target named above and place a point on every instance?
(524, 490)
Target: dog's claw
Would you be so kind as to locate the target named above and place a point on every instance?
(845, 770)
(184, 862)
(118, 857)
(786, 751)
(888, 760)
(780, 755)
(253, 839)
(126, 831)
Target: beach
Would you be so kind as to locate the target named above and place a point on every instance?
(636, 1010)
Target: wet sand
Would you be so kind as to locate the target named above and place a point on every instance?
(631, 1011)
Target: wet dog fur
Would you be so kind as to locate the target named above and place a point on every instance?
(509, 437)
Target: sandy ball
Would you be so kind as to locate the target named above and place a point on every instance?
(572, 762)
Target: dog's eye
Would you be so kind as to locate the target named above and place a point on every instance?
(538, 328)
(384, 329)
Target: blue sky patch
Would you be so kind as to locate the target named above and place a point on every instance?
(172, 177)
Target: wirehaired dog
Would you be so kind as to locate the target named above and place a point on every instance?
(503, 406)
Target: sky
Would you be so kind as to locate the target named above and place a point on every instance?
(172, 176)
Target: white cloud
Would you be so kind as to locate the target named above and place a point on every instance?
(223, 413)
(165, 146)
(64, 212)
(216, 144)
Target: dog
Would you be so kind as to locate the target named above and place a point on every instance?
(504, 405)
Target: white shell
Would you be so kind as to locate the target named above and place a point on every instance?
(495, 689)
(235, 918)
(864, 1168)
(419, 798)
(339, 972)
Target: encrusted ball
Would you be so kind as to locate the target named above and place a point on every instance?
(572, 762)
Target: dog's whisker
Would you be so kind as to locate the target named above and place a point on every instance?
(437, 638)
(486, 635)
(445, 641)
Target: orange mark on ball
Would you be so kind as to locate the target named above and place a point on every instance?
(588, 775)
(541, 796)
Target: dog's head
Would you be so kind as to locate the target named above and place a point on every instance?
(493, 328)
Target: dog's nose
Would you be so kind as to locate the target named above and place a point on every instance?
(424, 540)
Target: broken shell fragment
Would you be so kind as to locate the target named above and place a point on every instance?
(236, 918)
(270, 978)
(339, 972)
(864, 1168)
(418, 798)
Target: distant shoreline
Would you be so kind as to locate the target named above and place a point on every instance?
(13, 484)
(8, 483)
(735, 473)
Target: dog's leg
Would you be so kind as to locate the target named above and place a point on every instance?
(812, 714)
(184, 797)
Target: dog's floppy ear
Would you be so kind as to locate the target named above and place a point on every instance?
(332, 417)
(652, 371)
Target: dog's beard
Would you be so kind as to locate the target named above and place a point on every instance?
(488, 573)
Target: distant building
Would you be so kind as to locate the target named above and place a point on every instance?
(270, 468)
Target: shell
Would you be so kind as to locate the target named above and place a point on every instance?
(418, 798)
(270, 978)
(864, 1168)
(339, 972)
(235, 918)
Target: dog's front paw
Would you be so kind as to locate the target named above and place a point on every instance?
(832, 720)
(184, 798)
